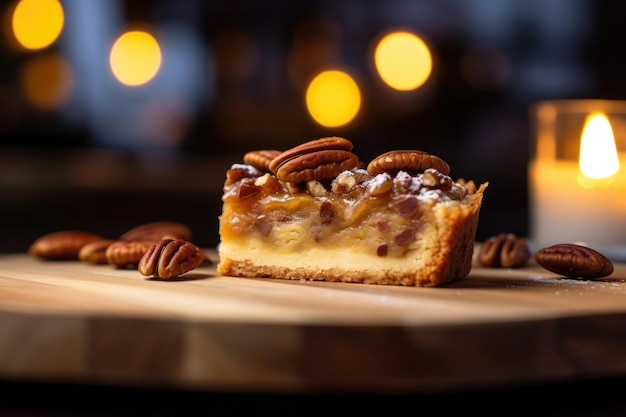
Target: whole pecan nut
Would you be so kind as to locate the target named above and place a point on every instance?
(62, 244)
(126, 253)
(411, 161)
(156, 231)
(504, 250)
(329, 143)
(316, 166)
(315, 160)
(261, 159)
(574, 261)
(95, 252)
(170, 258)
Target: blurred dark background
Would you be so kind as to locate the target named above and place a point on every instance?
(90, 153)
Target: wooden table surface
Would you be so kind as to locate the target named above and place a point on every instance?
(74, 322)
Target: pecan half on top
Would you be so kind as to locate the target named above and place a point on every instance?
(410, 161)
(504, 250)
(574, 261)
(170, 258)
(315, 160)
(261, 159)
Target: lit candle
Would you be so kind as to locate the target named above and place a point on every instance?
(579, 199)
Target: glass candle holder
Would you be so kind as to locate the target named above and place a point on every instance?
(577, 173)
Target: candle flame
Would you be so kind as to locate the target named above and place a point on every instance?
(598, 152)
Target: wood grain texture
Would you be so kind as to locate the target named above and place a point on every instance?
(72, 321)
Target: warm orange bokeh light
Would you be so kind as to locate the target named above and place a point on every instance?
(135, 58)
(403, 61)
(37, 23)
(333, 98)
(47, 81)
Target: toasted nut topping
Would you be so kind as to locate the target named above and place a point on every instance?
(315, 188)
(261, 159)
(293, 188)
(316, 166)
(434, 179)
(247, 188)
(61, 245)
(95, 252)
(410, 161)
(315, 160)
(156, 231)
(125, 253)
(170, 258)
(268, 183)
(404, 183)
(344, 183)
(457, 192)
(347, 180)
(505, 250)
(323, 144)
(380, 185)
(574, 261)
(239, 171)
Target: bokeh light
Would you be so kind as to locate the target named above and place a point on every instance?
(135, 58)
(47, 81)
(403, 61)
(37, 23)
(333, 98)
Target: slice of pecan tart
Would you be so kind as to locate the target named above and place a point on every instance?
(316, 212)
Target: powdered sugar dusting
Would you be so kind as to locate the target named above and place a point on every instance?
(428, 194)
(574, 281)
(585, 287)
(252, 171)
(378, 180)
